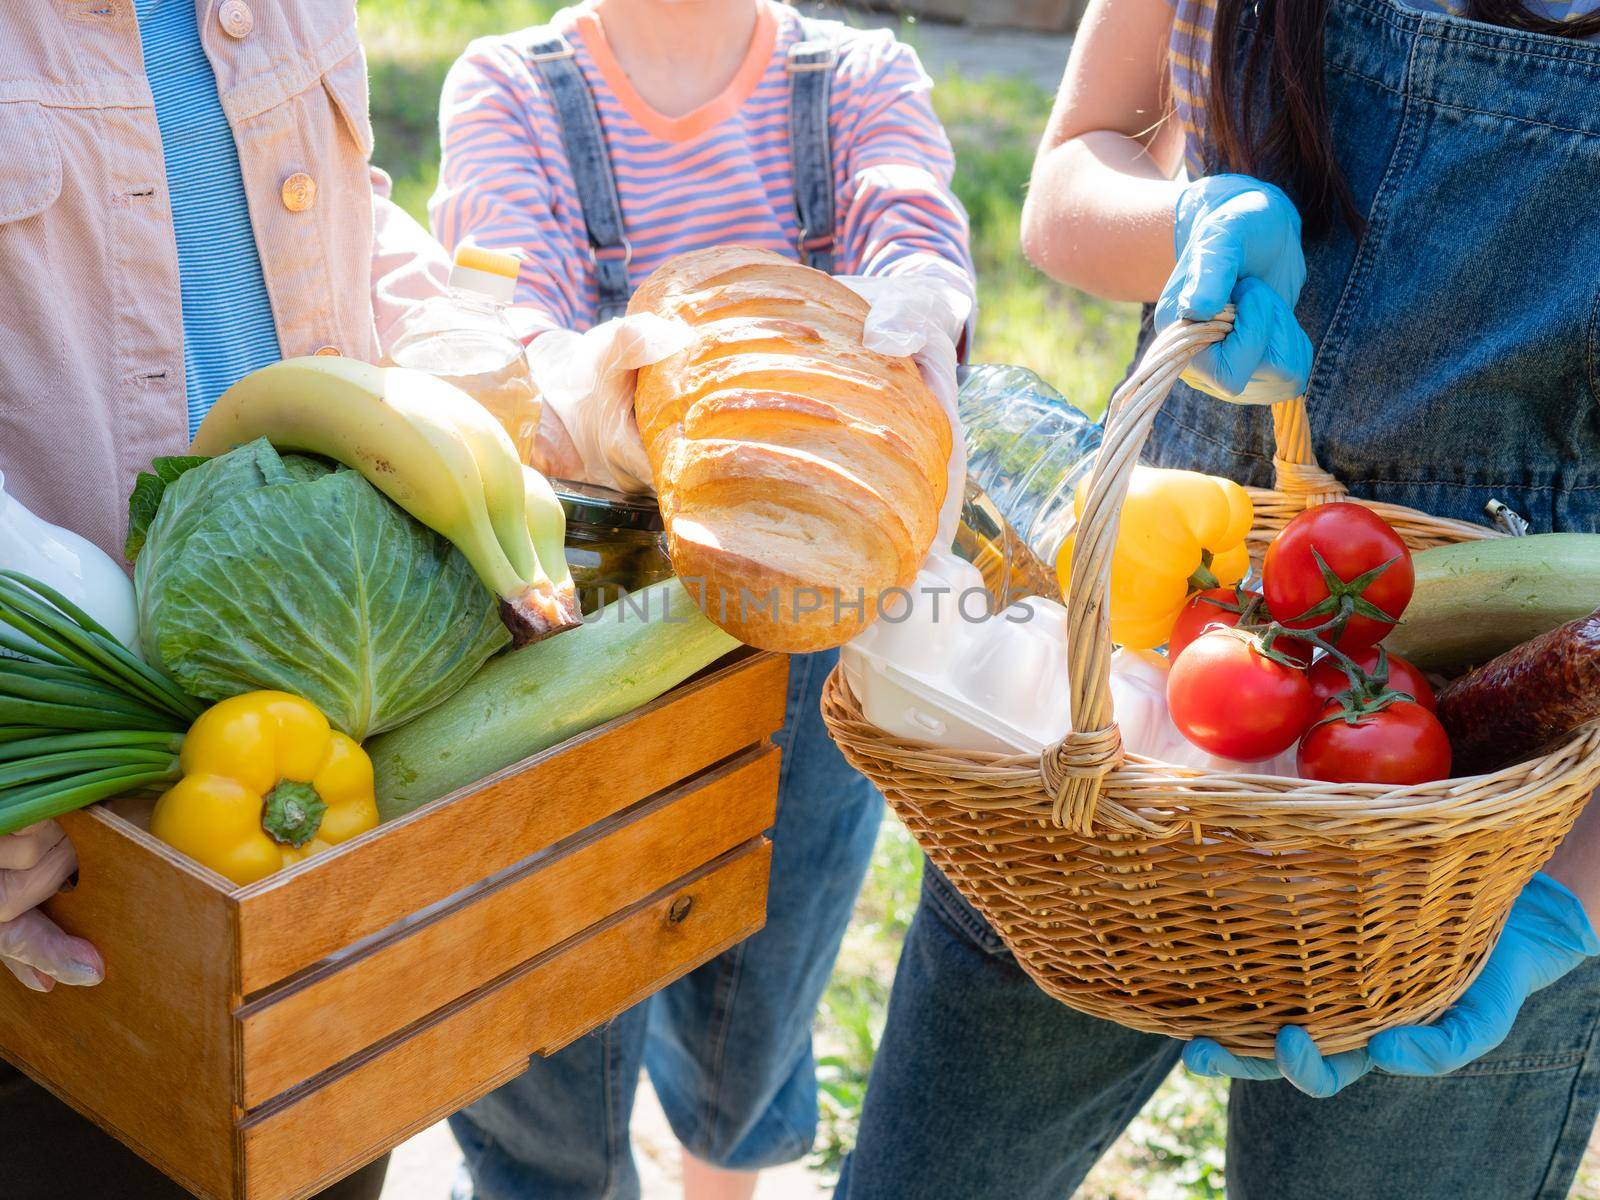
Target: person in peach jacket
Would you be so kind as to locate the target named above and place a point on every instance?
(185, 195)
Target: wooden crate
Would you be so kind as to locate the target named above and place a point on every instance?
(261, 1043)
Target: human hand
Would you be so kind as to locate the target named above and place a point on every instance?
(587, 428)
(1238, 241)
(1546, 935)
(1297, 1059)
(34, 863)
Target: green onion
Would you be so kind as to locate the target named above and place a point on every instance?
(34, 669)
(78, 695)
(82, 718)
(94, 739)
(76, 762)
(21, 807)
(46, 616)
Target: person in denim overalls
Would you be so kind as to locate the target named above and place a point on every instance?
(820, 146)
(1456, 360)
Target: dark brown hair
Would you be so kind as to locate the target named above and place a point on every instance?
(1294, 146)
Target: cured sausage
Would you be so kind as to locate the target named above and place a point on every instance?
(1513, 706)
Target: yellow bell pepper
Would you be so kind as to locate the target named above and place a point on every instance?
(1179, 531)
(266, 782)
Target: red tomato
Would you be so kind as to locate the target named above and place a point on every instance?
(1328, 680)
(1230, 699)
(1201, 611)
(1214, 606)
(1353, 541)
(1403, 743)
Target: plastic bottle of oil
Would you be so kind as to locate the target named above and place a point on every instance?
(465, 339)
(1027, 448)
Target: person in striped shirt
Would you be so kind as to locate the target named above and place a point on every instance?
(719, 171)
(627, 132)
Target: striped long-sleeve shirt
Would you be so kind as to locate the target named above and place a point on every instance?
(719, 174)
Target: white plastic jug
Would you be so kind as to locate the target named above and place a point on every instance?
(72, 565)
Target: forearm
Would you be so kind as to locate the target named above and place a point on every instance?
(1099, 216)
(1099, 213)
(1576, 864)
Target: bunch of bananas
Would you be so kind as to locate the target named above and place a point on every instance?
(435, 452)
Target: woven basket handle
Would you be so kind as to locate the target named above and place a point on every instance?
(1073, 769)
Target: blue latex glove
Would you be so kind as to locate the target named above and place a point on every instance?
(1546, 935)
(1297, 1060)
(1238, 241)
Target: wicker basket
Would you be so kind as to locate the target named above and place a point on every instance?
(1187, 902)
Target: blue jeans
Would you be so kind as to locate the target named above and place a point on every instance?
(987, 1089)
(728, 1047)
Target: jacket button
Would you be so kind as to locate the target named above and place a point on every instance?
(299, 192)
(328, 352)
(236, 18)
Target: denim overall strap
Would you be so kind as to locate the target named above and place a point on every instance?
(552, 56)
(1458, 339)
(811, 63)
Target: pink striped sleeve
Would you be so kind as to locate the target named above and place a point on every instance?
(899, 213)
(495, 183)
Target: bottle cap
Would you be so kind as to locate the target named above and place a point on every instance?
(492, 273)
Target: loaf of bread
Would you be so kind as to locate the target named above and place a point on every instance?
(800, 474)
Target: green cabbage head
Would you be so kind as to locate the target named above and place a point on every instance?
(259, 571)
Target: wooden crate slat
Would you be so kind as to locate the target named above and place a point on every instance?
(451, 844)
(290, 1150)
(351, 1005)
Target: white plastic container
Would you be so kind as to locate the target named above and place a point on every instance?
(73, 565)
(931, 668)
(939, 668)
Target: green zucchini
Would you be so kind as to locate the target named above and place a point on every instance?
(527, 700)
(1476, 600)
